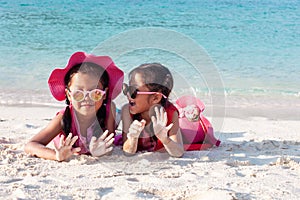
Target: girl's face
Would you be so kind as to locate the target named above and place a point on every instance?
(142, 102)
(85, 82)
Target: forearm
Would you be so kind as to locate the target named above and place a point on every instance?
(173, 148)
(130, 146)
(39, 150)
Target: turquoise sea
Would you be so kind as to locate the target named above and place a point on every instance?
(254, 45)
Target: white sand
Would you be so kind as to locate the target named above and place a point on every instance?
(258, 159)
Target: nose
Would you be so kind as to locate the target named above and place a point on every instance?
(87, 96)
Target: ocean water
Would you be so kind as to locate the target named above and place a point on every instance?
(252, 46)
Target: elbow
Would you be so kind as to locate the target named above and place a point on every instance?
(27, 147)
(178, 155)
(128, 152)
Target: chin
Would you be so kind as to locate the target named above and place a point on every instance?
(132, 111)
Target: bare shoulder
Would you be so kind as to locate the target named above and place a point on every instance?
(112, 106)
(125, 109)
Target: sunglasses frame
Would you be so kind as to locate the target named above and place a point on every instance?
(125, 90)
(89, 92)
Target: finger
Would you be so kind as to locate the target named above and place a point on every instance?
(93, 139)
(104, 135)
(169, 126)
(109, 149)
(139, 124)
(76, 150)
(133, 130)
(68, 139)
(153, 119)
(109, 137)
(61, 140)
(157, 114)
(161, 110)
(92, 142)
(143, 122)
(109, 143)
(135, 122)
(165, 118)
(140, 129)
(73, 140)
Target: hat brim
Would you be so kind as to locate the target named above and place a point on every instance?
(116, 76)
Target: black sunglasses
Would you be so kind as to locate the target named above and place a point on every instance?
(133, 91)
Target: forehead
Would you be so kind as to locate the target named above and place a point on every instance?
(85, 80)
(137, 80)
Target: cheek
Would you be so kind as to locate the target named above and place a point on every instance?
(75, 105)
(98, 104)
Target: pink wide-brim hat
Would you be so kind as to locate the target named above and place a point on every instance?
(116, 76)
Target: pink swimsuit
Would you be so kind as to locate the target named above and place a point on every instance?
(82, 141)
(147, 142)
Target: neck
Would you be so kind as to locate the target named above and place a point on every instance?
(146, 117)
(85, 122)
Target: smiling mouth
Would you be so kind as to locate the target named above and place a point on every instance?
(87, 105)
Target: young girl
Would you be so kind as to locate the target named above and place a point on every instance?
(88, 84)
(150, 121)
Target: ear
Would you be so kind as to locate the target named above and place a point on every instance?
(106, 90)
(68, 95)
(156, 98)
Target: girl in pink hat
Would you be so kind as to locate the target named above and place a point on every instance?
(149, 120)
(88, 84)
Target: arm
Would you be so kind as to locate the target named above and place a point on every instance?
(174, 144)
(37, 145)
(111, 124)
(172, 141)
(131, 129)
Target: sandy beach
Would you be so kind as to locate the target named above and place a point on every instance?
(258, 159)
(237, 55)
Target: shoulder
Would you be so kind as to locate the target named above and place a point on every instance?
(62, 111)
(125, 109)
(171, 110)
(113, 106)
(125, 114)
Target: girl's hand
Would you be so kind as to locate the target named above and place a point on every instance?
(136, 128)
(102, 145)
(159, 125)
(65, 150)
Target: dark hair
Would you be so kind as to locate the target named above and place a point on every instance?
(156, 77)
(95, 70)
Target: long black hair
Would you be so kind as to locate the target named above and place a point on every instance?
(86, 68)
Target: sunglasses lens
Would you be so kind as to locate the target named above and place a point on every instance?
(78, 95)
(129, 89)
(96, 95)
(125, 89)
(132, 92)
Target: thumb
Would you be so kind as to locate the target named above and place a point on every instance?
(143, 122)
(93, 140)
(76, 150)
(169, 126)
